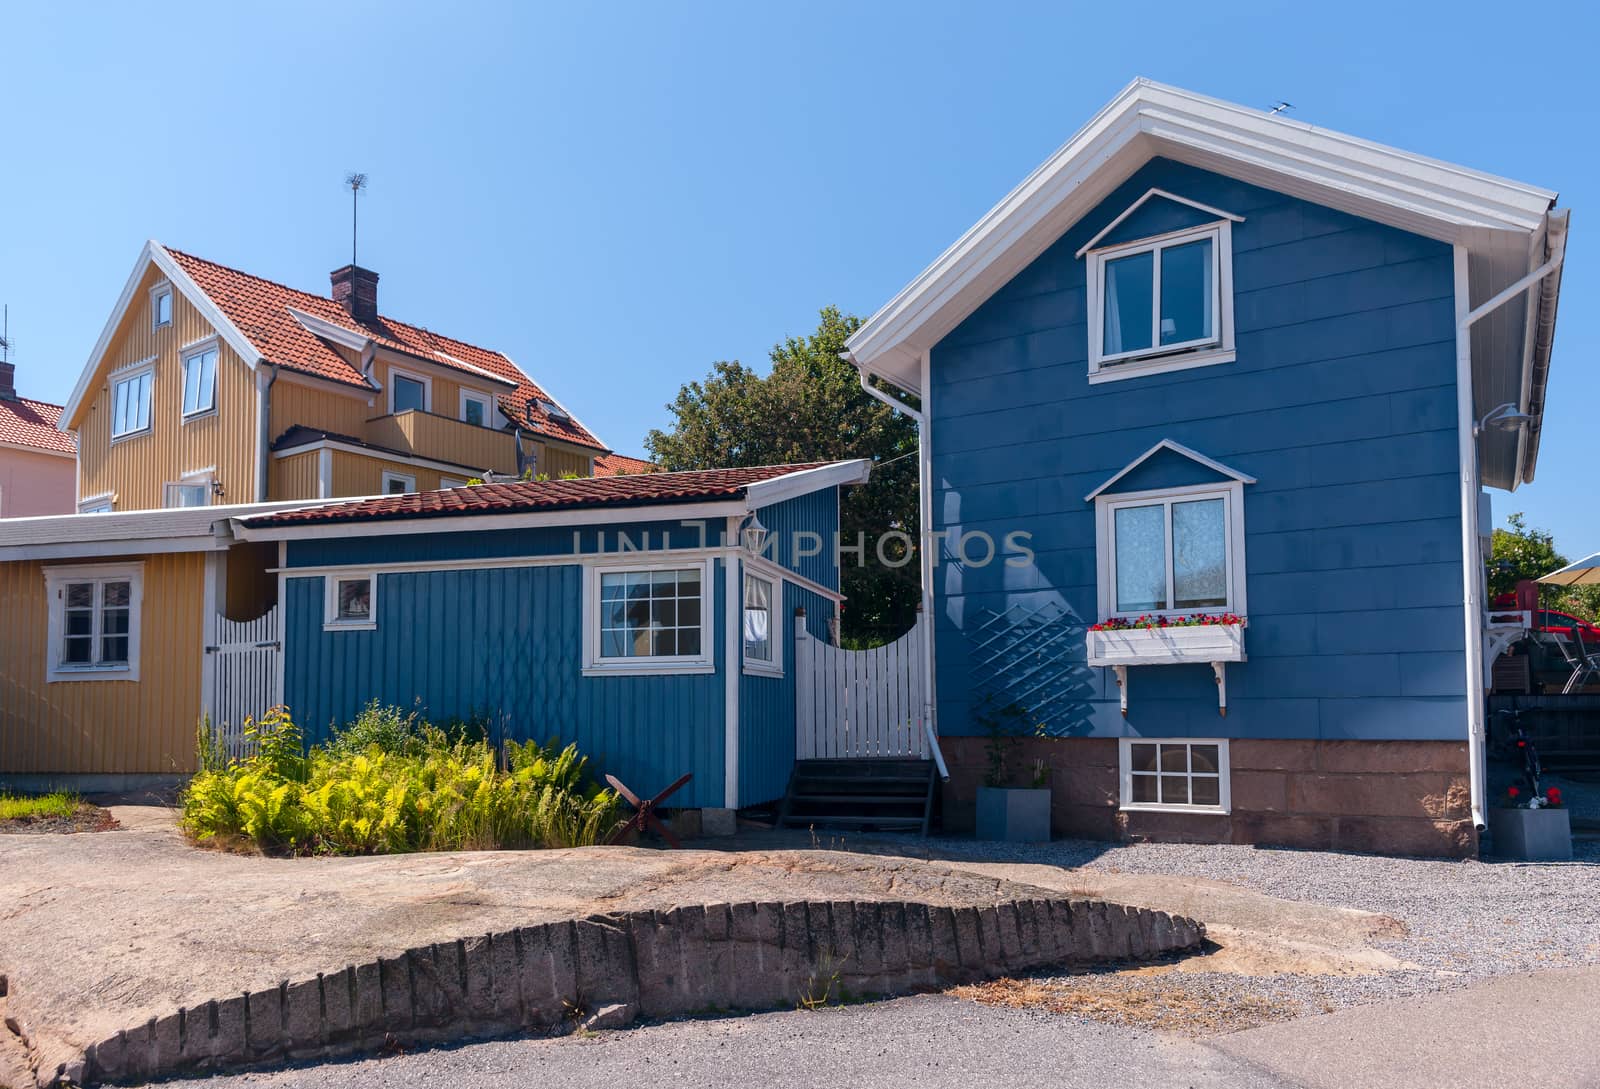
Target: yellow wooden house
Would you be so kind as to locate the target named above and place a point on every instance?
(209, 385)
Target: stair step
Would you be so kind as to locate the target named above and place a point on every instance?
(860, 799)
(847, 819)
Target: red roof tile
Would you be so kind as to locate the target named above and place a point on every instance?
(260, 310)
(620, 465)
(542, 495)
(33, 423)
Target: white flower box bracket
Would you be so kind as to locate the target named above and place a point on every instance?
(1210, 644)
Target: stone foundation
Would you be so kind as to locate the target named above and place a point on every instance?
(1383, 797)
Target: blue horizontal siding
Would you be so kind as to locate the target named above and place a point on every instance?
(1341, 403)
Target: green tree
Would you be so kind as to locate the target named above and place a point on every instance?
(810, 407)
(1521, 553)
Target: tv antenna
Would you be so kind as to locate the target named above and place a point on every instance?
(5, 335)
(1280, 107)
(356, 182)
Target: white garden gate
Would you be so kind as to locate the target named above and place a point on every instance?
(861, 703)
(243, 675)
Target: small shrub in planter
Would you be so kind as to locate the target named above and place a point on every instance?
(1531, 825)
(1006, 811)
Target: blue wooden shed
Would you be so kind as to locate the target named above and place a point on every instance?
(648, 618)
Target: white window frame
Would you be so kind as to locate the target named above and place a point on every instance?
(200, 478)
(427, 388)
(1163, 358)
(775, 632)
(484, 399)
(104, 503)
(408, 479)
(1230, 492)
(157, 292)
(55, 580)
(128, 376)
(452, 482)
(1125, 775)
(192, 352)
(594, 665)
(330, 600)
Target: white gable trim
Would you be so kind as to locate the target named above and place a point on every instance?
(1177, 448)
(154, 252)
(327, 330)
(1136, 205)
(1411, 192)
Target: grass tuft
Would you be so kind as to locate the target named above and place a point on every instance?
(17, 807)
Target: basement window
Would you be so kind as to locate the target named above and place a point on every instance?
(1186, 776)
(94, 622)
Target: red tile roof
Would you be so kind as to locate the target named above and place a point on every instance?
(260, 310)
(620, 465)
(651, 489)
(33, 423)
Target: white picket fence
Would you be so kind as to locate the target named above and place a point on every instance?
(860, 703)
(243, 674)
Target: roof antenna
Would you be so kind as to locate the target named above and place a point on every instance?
(5, 336)
(1280, 107)
(356, 182)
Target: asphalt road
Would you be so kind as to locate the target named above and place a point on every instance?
(1531, 1030)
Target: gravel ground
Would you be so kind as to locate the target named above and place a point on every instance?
(1466, 921)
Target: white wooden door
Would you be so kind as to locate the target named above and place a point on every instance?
(860, 703)
(244, 675)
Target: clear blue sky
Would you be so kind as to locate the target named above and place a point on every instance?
(616, 195)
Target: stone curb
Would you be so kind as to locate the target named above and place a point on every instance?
(610, 969)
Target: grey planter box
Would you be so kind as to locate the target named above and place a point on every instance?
(1017, 815)
(1531, 835)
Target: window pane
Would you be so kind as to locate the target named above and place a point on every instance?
(114, 622)
(689, 613)
(1204, 758)
(664, 614)
(757, 619)
(649, 613)
(1174, 758)
(79, 622)
(1207, 790)
(80, 595)
(1143, 788)
(114, 650)
(163, 308)
(688, 640)
(1199, 555)
(76, 650)
(1174, 790)
(614, 644)
(408, 394)
(664, 584)
(191, 383)
(142, 401)
(1141, 547)
(666, 642)
(1129, 284)
(1186, 292)
(396, 485)
(355, 599)
(1142, 757)
(472, 412)
(612, 586)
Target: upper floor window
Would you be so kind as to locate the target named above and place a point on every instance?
(1171, 553)
(94, 622)
(408, 392)
(1162, 303)
(475, 408)
(160, 305)
(200, 381)
(130, 403)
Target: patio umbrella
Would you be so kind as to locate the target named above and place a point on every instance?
(1586, 572)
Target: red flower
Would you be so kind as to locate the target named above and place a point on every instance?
(1553, 795)
(1513, 792)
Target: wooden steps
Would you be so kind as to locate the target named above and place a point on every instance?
(862, 794)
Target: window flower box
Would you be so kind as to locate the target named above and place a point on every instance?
(1206, 640)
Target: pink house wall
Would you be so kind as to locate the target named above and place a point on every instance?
(34, 483)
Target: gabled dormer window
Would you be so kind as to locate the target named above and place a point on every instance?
(1161, 303)
(160, 305)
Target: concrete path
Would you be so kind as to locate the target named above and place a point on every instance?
(1529, 1030)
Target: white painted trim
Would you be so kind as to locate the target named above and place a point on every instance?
(96, 500)
(766, 492)
(96, 549)
(769, 569)
(375, 454)
(54, 579)
(122, 378)
(476, 523)
(1177, 448)
(415, 376)
(283, 607)
(732, 651)
(1125, 776)
(408, 482)
(203, 478)
(266, 377)
(1232, 495)
(216, 566)
(1136, 205)
(325, 472)
(327, 330)
(595, 665)
(452, 363)
(191, 351)
(1471, 562)
(158, 289)
(1160, 358)
(777, 628)
(25, 448)
(487, 400)
(128, 368)
(330, 600)
(451, 482)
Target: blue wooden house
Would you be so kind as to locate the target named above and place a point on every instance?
(650, 619)
(1224, 391)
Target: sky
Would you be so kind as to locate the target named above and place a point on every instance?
(617, 195)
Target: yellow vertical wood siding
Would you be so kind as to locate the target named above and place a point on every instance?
(294, 477)
(358, 474)
(136, 468)
(322, 406)
(556, 461)
(104, 727)
(441, 438)
(445, 398)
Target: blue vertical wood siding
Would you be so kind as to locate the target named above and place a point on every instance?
(1341, 403)
(816, 514)
(506, 641)
(766, 705)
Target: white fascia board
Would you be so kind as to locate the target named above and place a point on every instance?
(327, 330)
(154, 252)
(766, 492)
(553, 399)
(453, 366)
(1385, 184)
(452, 467)
(1177, 448)
(25, 448)
(96, 549)
(474, 523)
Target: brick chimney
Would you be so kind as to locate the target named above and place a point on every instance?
(356, 289)
(8, 382)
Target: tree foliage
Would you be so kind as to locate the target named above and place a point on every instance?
(1522, 553)
(810, 407)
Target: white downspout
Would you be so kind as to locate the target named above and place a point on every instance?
(1472, 559)
(926, 556)
(732, 651)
